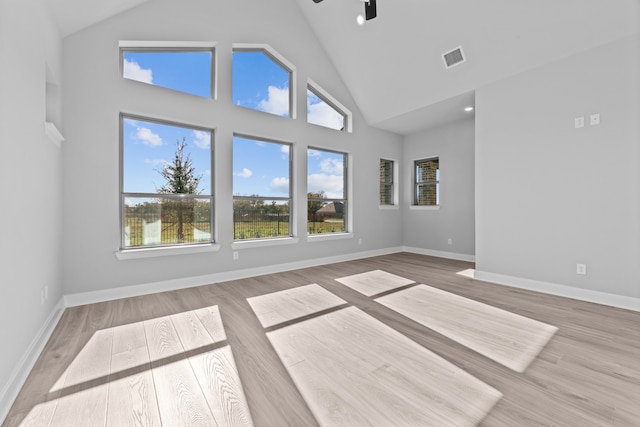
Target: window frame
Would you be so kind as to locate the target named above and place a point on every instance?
(314, 88)
(123, 195)
(417, 184)
(265, 198)
(172, 46)
(346, 210)
(278, 59)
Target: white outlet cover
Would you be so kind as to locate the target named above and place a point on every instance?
(594, 119)
(579, 122)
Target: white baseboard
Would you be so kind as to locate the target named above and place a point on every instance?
(619, 301)
(10, 391)
(440, 254)
(83, 298)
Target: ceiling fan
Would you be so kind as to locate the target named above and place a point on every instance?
(369, 8)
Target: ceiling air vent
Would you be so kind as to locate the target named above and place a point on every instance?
(453, 58)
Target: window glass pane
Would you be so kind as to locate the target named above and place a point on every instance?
(319, 112)
(427, 195)
(260, 168)
(260, 83)
(259, 218)
(150, 153)
(166, 221)
(386, 171)
(184, 71)
(427, 170)
(326, 173)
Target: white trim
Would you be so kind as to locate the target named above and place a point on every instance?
(261, 243)
(323, 237)
(53, 133)
(440, 254)
(619, 301)
(10, 390)
(83, 298)
(388, 207)
(125, 254)
(128, 44)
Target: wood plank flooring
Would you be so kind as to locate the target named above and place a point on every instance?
(201, 356)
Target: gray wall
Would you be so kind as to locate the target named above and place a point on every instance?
(95, 94)
(430, 229)
(549, 196)
(31, 176)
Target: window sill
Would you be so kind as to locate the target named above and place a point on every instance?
(424, 208)
(260, 243)
(388, 207)
(328, 236)
(125, 254)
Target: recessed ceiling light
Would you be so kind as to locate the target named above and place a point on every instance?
(360, 20)
(467, 109)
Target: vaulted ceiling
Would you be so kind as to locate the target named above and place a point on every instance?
(393, 64)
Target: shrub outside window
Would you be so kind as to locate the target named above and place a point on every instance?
(261, 188)
(166, 183)
(327, 203)
(427, 182)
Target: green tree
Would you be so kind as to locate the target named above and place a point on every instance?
(314, 203)
(181, 178)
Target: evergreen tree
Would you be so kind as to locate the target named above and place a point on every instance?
(180, 179)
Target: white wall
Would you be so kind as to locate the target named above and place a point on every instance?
(549, 196)
(95, 94)
(429, 230)
(31, 176)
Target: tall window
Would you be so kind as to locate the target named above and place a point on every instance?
(261, 188)
(261, 81)
(184, 69)
(427, 182)
(386, 182)
(166, 183)
(326, 192)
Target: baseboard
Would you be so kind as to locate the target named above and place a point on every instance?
(20, 373)
(440, 254)
(612, 300)
(83, 298)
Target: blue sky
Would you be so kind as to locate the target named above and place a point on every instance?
(259, 167)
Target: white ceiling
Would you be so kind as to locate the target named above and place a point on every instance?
(393, 65)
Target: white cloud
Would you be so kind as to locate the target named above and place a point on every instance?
(284, 148)
(133, 71)
(332, 166)
(314, 153)
(322, 114)
(156, 162)
(280, 185)
(332, 185)
(147, 137)
(202, 139)
(246, 173)
(277, 101)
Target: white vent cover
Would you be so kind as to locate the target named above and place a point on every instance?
(453, 58)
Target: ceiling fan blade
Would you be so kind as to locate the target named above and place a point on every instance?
(369, 9)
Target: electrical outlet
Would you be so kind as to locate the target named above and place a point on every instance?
(594, 119)
(235, 255)
(360, 241)
(46, 292)
(581, 268)
(41, 296)
(450, 241)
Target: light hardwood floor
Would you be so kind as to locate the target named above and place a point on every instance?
(201, 356)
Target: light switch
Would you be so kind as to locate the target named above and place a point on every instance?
(579, 122)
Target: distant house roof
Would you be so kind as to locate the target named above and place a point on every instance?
(332, 208)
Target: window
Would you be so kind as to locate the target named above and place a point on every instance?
(261, 188)
(325, 111)
(166, 183)
(184, 69)
(387, 196)
(326, 192)
(262, 80)
(427, 182)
